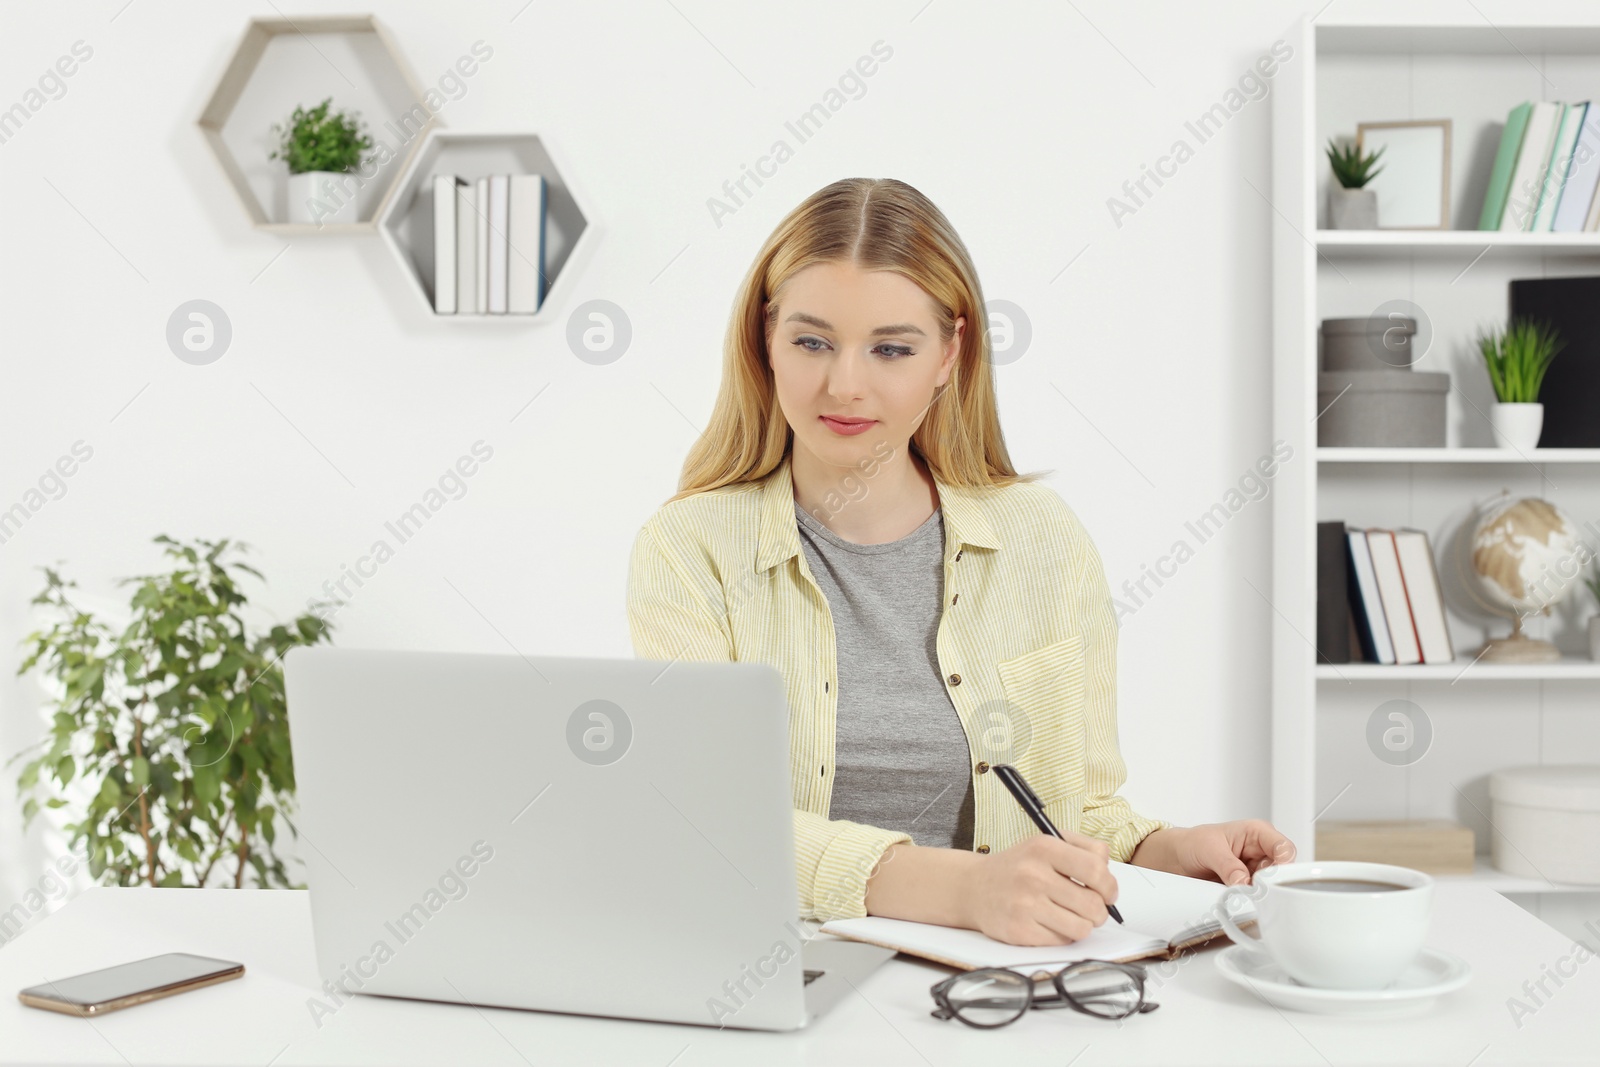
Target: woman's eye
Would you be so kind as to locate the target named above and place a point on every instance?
(885, 351)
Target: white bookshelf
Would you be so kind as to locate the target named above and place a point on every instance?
(283, 62)
(1485, 874)
(407, 221)
(1537, 456)
(1395, 61)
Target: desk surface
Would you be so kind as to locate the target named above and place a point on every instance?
(263, 1018)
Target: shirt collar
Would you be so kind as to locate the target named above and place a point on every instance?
(966, 521)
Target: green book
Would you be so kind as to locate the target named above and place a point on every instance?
(1494, 202)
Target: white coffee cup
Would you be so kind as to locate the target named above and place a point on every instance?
(1329, 937)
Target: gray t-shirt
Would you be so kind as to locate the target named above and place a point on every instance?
(900, 752)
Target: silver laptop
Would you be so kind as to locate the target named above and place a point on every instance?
(605, 837)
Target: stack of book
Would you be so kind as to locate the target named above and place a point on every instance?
(1378, 593)
(488, 244)
(1546, 170)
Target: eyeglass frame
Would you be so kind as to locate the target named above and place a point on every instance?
(1061, 998)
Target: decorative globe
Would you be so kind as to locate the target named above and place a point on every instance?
(1526, 555)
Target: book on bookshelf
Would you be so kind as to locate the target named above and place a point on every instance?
(1545, 170)
(1378, 594)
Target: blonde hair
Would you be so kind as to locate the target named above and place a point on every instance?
(877, 224)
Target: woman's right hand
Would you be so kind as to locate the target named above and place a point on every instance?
(1024, 895)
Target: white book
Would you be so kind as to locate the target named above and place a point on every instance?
(444, 244)
(1165, 914)
(1522, 199)
(481, 300)
(1371, 605)
(1555, 181)
(1392, 591)
(525, 281)
(1582, 172)
(499, 218)
(1422, 590)
(467, 247)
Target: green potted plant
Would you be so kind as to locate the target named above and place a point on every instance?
(1351, 205)
(169, 743)
(1517, 360)
(1592, 580)
(323, 151)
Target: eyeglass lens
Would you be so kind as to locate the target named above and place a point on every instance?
(989, 998)
(1106, 991)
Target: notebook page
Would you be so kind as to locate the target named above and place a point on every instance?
(1159, 908)
(1168, 906)
(970, 949)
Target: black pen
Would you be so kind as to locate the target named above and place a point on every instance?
(1030, 803)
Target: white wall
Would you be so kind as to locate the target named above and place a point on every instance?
(1019, 119)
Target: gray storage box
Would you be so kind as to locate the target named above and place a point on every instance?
(1382, 408)
(1368, 343)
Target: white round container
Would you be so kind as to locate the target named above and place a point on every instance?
(1547, 822)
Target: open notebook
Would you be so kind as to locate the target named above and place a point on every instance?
(1165, 913)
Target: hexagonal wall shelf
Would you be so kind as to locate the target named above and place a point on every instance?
(407, 219)
(284, 62)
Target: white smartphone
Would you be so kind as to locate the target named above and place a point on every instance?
(127, 984)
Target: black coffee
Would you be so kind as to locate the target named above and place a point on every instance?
(1345, 885)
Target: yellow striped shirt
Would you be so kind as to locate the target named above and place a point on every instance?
(1027, 644)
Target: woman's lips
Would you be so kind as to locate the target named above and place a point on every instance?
(847, 427)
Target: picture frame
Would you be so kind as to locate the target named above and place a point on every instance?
(1413, 181)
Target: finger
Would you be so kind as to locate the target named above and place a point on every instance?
(1217, 856)
(1265, 845)
(1075, 898)
(1064, 926)
(1032, 934)
(1087, 866)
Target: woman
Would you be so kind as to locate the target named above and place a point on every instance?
(851, 517)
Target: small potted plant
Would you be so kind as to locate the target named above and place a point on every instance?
(1351, 205)
(169, 742)
(323, 151)
(1517, 360)
(1592, 580)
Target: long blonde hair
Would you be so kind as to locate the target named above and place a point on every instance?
(877, 224)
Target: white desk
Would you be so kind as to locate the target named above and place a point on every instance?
(262, 1018)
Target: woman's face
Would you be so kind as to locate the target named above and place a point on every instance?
(857, 360)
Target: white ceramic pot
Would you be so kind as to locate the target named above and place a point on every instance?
(1517, 425)
(1352, 209)
(321, 196)
(1594, 638)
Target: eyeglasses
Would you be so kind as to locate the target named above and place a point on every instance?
(995, 996)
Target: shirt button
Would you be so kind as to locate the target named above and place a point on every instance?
(955, 598)
(983, 768)
(955, 679)
(984, 849)
(958, 554)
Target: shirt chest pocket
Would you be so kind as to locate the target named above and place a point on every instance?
(1044, 695)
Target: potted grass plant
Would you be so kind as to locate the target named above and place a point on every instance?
(1517, 360)
(1351, 205)
(323, 150)
(169, 743)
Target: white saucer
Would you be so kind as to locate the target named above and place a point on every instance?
(1433, 974)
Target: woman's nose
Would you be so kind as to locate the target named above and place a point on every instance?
(846, 377)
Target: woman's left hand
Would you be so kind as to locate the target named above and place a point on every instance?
(1226, 852)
